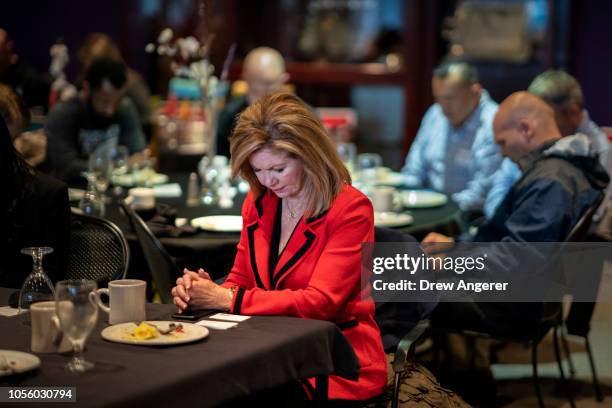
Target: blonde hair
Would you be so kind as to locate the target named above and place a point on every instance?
(283, 122)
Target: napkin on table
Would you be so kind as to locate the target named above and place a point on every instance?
(217, 325)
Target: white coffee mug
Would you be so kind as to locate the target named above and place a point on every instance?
(127, 300)
(383, 199)
(141, 198)
(46, 334)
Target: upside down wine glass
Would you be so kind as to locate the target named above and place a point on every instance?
(75, 305)
(37, 287)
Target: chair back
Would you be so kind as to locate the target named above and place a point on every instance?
(578, 320)
(164, 270)
(98, 250)
(396, 319)
(579, 232)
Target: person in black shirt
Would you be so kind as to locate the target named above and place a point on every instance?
(34, 211)
(100, 114)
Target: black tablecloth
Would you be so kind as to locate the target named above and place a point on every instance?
(261, 353)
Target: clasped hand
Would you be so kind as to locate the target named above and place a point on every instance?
(196, 290)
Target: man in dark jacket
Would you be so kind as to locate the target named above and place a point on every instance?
(562, 178)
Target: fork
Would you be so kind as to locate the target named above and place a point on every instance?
(171, 327)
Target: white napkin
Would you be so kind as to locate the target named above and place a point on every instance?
(229, 317)
(169, 190)
(217, 325)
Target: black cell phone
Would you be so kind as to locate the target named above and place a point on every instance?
(189, 314)
(184, 316)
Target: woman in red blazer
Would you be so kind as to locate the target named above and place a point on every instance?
(300, 249)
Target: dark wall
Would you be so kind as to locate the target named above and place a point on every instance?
(591, 56)
(36, 25)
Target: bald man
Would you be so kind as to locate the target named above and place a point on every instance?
(563, 94)
(264, 72)
(561, 179)
(561, 176)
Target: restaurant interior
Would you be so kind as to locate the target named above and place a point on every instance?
(144, 212)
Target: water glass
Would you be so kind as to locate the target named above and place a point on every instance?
(77, 311)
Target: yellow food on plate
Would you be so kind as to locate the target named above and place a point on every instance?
(143, 332)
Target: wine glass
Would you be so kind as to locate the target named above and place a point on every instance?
(92, 204)
(75, 305)
(347, 153)
(101, 166)
(368, 163)
(37, 287)
(119, 156)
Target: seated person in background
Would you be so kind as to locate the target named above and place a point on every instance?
(300, 249)
(564, 95)
(34, 211)
(76, 127)
(32, 86)
(264, 72)
(31, 145)
(99, 45)
(561, 180)
(454, 151)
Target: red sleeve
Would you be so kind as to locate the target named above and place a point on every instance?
(336, 278)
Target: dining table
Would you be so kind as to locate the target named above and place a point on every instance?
(259, 354)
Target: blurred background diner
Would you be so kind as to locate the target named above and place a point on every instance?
(135, 102)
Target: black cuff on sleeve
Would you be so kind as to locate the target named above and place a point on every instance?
(238, 302)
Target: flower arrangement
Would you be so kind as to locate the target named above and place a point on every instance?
(189, 60)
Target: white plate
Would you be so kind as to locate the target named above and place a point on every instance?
(422, 199)
(119, 333)
(127, 180)
(225, 223)
(75, 194)
(392, 219)
(19, 362)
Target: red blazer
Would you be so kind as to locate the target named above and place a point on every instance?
(317, 276)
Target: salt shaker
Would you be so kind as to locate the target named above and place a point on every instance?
(192, 190)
